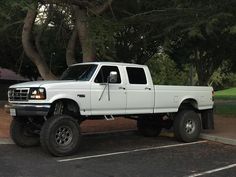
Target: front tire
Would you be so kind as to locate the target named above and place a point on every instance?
(60, 135)
(187, 126)
(21, 131)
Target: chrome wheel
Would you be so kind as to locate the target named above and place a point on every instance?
(63, 136)
(190, 126)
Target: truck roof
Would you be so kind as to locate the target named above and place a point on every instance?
(110, 63)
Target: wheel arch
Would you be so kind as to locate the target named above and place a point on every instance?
(71, 106)
(189, 103)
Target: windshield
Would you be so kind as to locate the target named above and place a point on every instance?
(79, 72)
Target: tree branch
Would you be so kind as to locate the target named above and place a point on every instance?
(29, 47)
(82, 26)
(99, 9)
(40, 33)
(70, 51)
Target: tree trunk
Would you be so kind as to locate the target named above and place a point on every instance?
(201, 68)
(38, 36)
(29, 48)
(203, 78)
(33, 50)
(70, 51)
(82, 25)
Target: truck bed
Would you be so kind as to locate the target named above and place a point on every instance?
(169, 98)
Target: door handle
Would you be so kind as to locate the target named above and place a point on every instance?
(123, 88)
(147, 88)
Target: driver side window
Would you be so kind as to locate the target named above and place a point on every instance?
(105, 72)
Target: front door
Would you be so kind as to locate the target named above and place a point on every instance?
(108, 99)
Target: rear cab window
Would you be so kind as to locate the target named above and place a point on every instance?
(136, 75)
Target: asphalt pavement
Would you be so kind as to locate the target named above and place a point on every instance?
(125, 154)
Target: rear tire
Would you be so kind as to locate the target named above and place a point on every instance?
(187, 126)
(21, 131)
(149, 126)
(60, 135)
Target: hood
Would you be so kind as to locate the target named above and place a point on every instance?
(38, 83)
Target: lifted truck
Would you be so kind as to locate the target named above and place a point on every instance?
(50, 112)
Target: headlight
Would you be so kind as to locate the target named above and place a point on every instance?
(37, 94)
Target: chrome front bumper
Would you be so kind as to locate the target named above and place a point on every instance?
(27, 109)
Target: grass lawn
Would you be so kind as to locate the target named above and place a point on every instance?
(227, 94)
(225, 102)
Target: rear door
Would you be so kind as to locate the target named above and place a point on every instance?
(139, 90)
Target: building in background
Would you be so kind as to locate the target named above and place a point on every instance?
(7, 78)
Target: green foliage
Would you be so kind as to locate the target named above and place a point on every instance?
(102, 33)
(55, 38)
(164, 71)
(12, 55)
(134, 44)
(233, 30)
(200, 33)
(207, 45)
(223, 78)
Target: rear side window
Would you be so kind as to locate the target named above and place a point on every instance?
(105, 72)
(136, 75)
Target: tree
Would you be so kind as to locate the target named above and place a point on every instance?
(79, 12)
(165, 72)
(129, 31)
(198, 33)
(206, 45)
(12, 56)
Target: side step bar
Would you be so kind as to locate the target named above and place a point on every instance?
(109, 117)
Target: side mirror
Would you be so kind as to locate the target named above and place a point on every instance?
(113, 77)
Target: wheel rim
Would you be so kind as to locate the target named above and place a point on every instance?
(63, 136)
(190, 126)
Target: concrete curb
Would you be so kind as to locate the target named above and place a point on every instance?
(6, 141)
(218, 139)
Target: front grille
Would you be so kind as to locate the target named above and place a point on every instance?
(18, 94)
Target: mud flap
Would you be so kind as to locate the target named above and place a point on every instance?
(207, 119)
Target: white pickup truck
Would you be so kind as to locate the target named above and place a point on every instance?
(50, 112)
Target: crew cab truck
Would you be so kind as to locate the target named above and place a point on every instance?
(50, 112)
